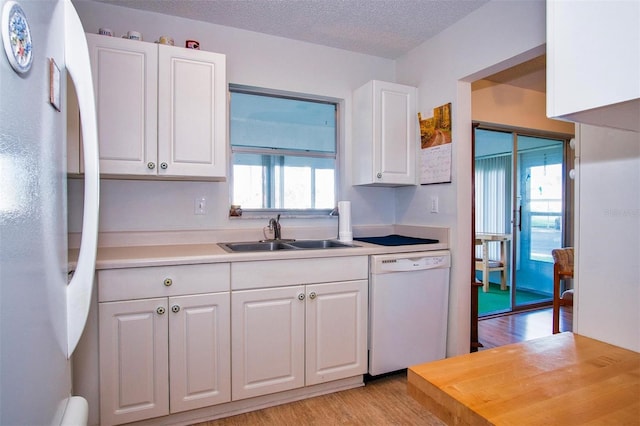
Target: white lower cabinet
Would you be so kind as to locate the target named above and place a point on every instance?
(199, 352)
(163, 355)
(179, 338)
(267, 341)
(336, 331)
(134, 361)
(299, 335)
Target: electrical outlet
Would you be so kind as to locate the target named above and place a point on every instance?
(200, 205)
(434, 204)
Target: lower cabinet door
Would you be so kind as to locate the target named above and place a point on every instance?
(199, 352)
(267, 348)
(336, 331)
(134, 382)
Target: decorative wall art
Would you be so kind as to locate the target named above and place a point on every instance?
(54, 84)
(435, 144)
(16, 37)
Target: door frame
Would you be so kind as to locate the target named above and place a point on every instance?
(568, 215)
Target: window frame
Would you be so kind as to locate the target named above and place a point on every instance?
(269, 212)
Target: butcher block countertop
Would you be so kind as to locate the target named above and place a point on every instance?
(563, 379)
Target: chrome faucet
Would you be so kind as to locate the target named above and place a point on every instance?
(336, 212)
(274, 225)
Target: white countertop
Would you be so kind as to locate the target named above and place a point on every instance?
(163, 249)
(186, 254)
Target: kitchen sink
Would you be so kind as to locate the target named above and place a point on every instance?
(277, 245)
(257, 246)
(318, 244)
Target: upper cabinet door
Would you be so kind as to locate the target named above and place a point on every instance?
(395, 156)
(593, 62)
(192, 116)
(125, 82)
(385, 134)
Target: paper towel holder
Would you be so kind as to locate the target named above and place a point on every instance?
(344, 222)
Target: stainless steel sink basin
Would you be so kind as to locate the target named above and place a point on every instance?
(257, 246)
(282, 245)
(318, 244)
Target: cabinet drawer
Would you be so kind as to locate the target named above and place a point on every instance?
(260, 274)
(138, 283)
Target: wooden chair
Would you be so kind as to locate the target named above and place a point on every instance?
(486, 265)
(562, 270)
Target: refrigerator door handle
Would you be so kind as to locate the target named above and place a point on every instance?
(79, 68)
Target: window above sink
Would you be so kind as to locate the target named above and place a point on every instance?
(284, 149)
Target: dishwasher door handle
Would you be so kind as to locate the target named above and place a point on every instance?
(410, 262)
(415, 263)
(405, 265)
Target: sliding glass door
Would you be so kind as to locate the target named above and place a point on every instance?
(519, 193)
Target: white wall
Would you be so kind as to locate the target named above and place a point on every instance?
(252, 59)
(494, 37)
(608, 236)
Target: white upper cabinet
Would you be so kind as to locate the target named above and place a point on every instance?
(593, 62)
(192, 112)
(161, 109)
(385, 134)
(125, 80)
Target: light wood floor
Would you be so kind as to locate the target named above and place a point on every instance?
(513, 328)
(384, 401)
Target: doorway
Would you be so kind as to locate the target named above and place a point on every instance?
(519, 203)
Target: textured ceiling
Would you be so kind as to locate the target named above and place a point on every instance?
(385, 28)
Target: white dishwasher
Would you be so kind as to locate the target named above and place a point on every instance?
(408, 308)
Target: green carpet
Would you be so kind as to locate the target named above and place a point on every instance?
(500, 300)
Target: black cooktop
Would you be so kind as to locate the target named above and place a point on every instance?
(396, 240)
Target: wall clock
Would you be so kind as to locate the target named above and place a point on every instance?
(16, 37)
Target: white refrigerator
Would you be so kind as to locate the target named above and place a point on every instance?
(43, 309)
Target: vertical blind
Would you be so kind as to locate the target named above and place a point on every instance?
(493, 177)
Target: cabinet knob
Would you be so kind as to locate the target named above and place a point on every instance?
(301, 296)
(151, 165)
(312, 295)
(168, 282)
(175, 309)
(160, 310)
(379, 175)
(164, 166)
